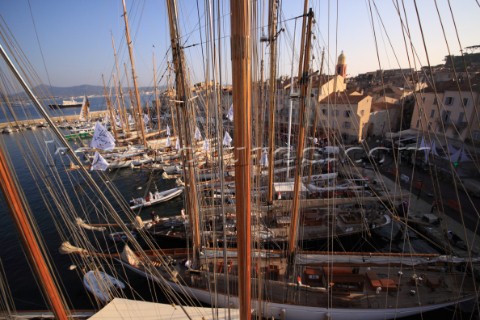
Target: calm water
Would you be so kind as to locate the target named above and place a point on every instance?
(131, 183)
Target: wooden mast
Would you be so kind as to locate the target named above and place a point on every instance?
(183, 111)
(134, 76)
(172, 109)
(292, 240)
(119, 95)
(302, 39)
(32, 248)
(18, 209)
(110, 110)
(157, 102)
(241, 88)
(315, 121)
(272, 37)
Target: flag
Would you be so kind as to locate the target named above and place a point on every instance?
(146, 120)
(227, 140)
(230, 113)
(168, 130)
(198, 135)
(99, 163)
(102, 139)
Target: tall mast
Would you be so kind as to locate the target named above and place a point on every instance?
(119, 95)
(290, 109)
(301, 137)
(315, 121)
(134, 76)
(184, 106)
(241, 88)
(157, 102)
(172, 110)
(18, 209)
(302, 40)
(272, 37)
(110, 110)
(37, 261)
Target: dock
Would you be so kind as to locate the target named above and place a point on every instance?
(59, 119)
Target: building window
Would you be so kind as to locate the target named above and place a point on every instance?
(435, 101)
(423, 99)
(461, 116)
(347, 114)
(465, 102)
(448, 101)
(418, 123)
(446, 116)
(429, 126)
(324, 112)
(476, 135)
(432, 113)
(346, 125)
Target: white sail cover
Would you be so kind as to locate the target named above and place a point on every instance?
(146, 119)
(85, 110)
(206, 145)
(460, 155)
(102, 139)
(168, 130)
(198, 135)
(227, 140)
(129, 256)
(230, 113)
(264, 159)
(99, 163)
(433, 148)
(168, 143)
(177, 144)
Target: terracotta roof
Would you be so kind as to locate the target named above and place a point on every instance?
(454, 85)
(379, 106)
(342, 98)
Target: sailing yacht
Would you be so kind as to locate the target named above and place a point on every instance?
(288, 282)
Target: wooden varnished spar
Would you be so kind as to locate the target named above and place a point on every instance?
(272, 93)
(242, 99)
(119, 95)
(301, 137)
(34, 253)
(134, 76)
(113, 125)
(184, 118)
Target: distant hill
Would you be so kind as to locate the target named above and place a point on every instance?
(45, 91)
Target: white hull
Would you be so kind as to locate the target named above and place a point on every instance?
(157, 198)
(296, 312)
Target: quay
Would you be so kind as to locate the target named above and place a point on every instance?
(58, 119)
(433, 233)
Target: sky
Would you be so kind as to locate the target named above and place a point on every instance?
(69, 42)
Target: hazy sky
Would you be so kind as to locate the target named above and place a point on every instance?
(71, 40)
